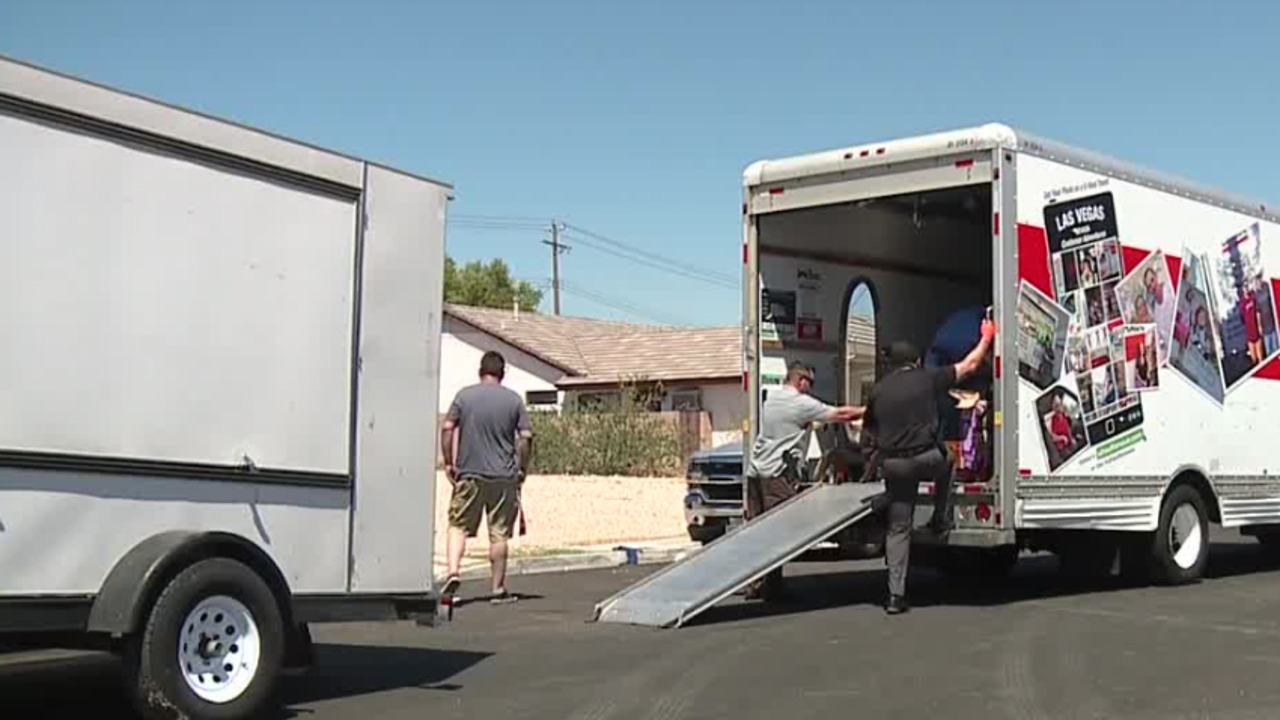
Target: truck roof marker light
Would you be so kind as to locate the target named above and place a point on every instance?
(776, 191)
(964, 163)
(879, 151)
(864, 153)
(848, 155)
(1024, 472)
(995, 223)
(997, 369)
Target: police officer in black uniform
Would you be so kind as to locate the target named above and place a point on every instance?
(901, 429)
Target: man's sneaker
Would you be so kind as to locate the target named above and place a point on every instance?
(896, 605)
(451, 586)
(502, 597)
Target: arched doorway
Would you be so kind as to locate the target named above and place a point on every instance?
(860, 343)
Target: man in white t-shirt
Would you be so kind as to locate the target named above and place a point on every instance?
(773, 468)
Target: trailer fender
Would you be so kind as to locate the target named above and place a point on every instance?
(139, 577)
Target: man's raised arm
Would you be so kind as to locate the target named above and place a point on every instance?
(970, 364)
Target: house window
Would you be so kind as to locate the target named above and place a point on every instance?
(606, 401)
(541, 398)
(686, 400)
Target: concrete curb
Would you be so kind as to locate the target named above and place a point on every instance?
(574, 562)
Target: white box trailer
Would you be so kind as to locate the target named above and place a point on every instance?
(218, 389)
(1138, 358)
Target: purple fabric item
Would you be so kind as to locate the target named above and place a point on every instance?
(970, 445)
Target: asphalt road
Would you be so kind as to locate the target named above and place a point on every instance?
(1034, 647)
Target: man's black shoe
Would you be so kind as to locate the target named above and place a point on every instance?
(897, 605)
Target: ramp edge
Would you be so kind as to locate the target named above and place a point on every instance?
(865, 507)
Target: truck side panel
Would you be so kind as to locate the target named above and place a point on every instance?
(1089, 242)
(399, 373)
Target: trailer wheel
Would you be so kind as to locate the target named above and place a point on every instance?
(1180, 548)
(212, 646)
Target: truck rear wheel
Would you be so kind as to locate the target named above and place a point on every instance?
(1180, 548)
(212, 646)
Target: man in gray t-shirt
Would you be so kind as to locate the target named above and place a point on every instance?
(486, 440)
(786, 420)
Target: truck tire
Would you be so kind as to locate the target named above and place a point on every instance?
(211, 648)
(1180, 548)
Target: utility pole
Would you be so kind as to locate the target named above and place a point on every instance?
(557, 247)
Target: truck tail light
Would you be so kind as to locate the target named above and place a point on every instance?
(982, 512)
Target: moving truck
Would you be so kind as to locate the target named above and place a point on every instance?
(217, 390)
(1138, 361)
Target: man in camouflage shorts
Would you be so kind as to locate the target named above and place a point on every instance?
(486, 440)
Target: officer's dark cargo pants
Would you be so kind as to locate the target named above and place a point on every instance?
(902, 478)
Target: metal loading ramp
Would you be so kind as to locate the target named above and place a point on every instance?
(679, 592)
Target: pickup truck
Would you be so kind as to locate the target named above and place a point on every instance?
(713, 502)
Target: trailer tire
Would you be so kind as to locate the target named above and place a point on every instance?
(211, 648)
(1180, 548)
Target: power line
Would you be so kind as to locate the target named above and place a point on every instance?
(619, 304)
(597, 241)
(682, 272)
(654, 257)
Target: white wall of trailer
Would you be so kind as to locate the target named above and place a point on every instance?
(62, 532)
(1115, 475)
(178, 293)
(157, 308)
(393, 528)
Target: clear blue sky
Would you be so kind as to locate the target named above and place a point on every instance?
(634, 120)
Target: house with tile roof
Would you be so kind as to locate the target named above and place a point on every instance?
(558, 361)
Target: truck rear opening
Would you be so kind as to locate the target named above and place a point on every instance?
(855, 261)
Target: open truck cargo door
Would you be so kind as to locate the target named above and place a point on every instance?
(915, 226)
